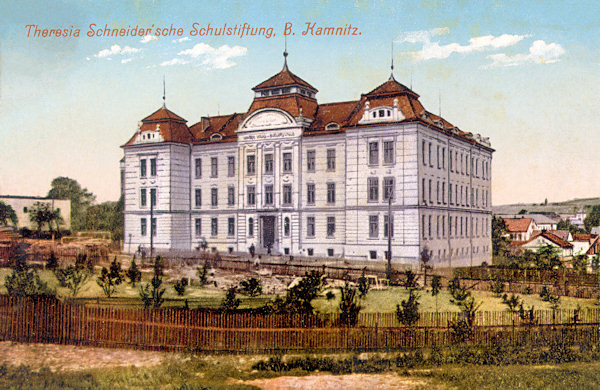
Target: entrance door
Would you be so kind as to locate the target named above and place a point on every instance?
(268, 231)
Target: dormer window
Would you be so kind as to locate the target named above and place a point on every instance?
(381, 114)
(216, 137)
(332, 126)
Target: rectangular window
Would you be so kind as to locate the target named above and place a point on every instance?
(330, 192)
(143, 167)
(310, 160)
(230, 195)
(330, 226)
(198, 197)
(268, 163)
(287, 162)
(251, 191)
(388, 188)
(230, 226)
(437, 191)
(430, 197)
(373, 187)
(450, 160)
(387, 227)
(198, 167)
(373, 226)
(310, 193)
(439, 165)
(423, 226)
(251, 164)
(230, 166)
(153, 229)
(310, 226)
(443, 158)
(287, 194)
(214, 167)
(437, 226)
(423, 191)
(373, 153)
(269, 194)
(214, 197)
(152, 167)
(143, 197)
(331, 159)
(444, 192)
(450, 194)
(198, 227)
(423, 152)
(429, 154)
(429, 226)
(250, 227)
(450, 227)
(153, 196)
(214, 227)
(143, 226)
(388, 152)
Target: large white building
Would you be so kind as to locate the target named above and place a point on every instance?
(312, 179)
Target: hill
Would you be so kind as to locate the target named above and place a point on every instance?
(566, 207)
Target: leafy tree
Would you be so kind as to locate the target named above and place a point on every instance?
(42, 214)
(300, 296)
(407, 312)
(567, 225)
(436, 287)
(522, 212)
(152, 293)
(251, 287)
(500, 239)
(110, 279)
(425, 258)
(72, 277)
(580, 263)
(230, 302)
(52, 262)
(411, 280)
(349, 305)
(133, 273)
(463, 329)
(497, 287)
(83, 261)
(512, 303)
(547, 258)
(593, 218)
(527, 315)
(81, 199)
(24, 281)
(363, 286)
(595, 263)
(7, 214)
(203, 273)
(107, 216)
(180, 286)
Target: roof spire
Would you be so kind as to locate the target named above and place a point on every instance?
(392, 67)
(285, 53)
(164, 93)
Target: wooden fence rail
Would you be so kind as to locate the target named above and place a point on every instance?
(48, 320)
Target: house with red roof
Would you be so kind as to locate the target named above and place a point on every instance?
(293, 176)
(543, 238)
(520, 229)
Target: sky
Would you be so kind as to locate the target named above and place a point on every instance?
(524, 74)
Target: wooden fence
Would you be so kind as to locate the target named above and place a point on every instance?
(571, 277)
(51, 321)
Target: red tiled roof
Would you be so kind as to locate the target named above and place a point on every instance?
(517, 225)
(163, 114)
(562, 234)
(551, 237)
(291, 103)
(283, 79)
(172, 127)
(582, 237)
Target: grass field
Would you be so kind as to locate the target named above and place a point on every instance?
(51, 367)
(376, 301)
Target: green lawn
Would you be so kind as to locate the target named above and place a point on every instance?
(383, 301)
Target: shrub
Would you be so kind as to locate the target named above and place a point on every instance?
(110, 279)
(203, 273)
(251, 287)
(497, 287)
(407, 312)
(230, 302)
(330, 295)
(349, 305)
(133, 273)
(152, 293)
(52, 262)
(180, 286)
(363, 286)
(513, 302)
(411, 280)
(72, 277)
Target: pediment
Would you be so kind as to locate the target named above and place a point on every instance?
(269, 118)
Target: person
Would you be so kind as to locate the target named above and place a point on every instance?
(269, 245)
(252, 250)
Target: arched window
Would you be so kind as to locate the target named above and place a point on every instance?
(216, 137)
(286, 227)
(250, 227)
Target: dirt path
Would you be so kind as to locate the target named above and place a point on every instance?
(68, 357)
(338, 382)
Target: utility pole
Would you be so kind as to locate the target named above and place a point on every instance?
(389, 234)
(152, 200)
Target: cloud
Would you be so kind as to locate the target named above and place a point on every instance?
(433, 50)
(540, 52)
(116, 50)
(219, 58)
(126, 60)
(181, 39)
(149, 38)
(174, 61)
(422, 35)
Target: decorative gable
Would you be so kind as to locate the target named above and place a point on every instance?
(381, 114)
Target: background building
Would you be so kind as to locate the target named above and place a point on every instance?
(304, 178)
(22, 204)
